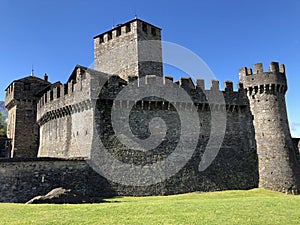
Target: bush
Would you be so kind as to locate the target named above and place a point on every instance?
(2, 125)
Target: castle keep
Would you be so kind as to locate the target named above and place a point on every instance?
(62, 133)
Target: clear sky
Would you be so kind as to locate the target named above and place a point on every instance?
(55, 35)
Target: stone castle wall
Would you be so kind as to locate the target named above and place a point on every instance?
(24, 179)
(235, 166)
(65, 118)
(236, 160)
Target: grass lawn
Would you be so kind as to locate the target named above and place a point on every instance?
(255, 206)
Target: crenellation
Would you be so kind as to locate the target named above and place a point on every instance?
(243, 72)
(200, 84)
(214, 85)
(258, 68)
(272, 77)
(186, 83)
(249, 71)
(151, 80)
(119, 30)
(228, 86)
(128, 53)
(266, 94)
(255, 149)
(282, 69)
(70, 87)
(274, 67)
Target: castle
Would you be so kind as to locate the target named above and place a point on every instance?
(61, 134)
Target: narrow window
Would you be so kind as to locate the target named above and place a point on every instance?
(58, 92)
(65, 89)
(144, 27)
(51, 95)
(128, 28)
(153, 31)
(109, 35)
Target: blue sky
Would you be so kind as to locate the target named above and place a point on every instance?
(55, 35)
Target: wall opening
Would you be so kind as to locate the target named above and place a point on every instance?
(153, 31)
(101, 39)
(144, 27)
(58, 92)
(109, 35)
(118, 31)
(128, 28)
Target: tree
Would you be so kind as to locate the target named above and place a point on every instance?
(2, 125)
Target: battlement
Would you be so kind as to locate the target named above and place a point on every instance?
(258, 69)
(132, 48)
(131, 27)
(257, 79)
(196, 90)
(76, 90)
(74, 96)
(64, 91)
(25, 89)
(184, 82)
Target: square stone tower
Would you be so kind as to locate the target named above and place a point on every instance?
(129, 49)
(20, 101)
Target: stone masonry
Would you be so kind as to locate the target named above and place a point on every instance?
(130, 49)
(74, 123)
(278, 165)
(21, 102)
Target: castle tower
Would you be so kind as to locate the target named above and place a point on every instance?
(130, 49)
(279, 169)
(21, 102)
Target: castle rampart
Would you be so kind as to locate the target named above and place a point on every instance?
(59, 115)
(238, 145)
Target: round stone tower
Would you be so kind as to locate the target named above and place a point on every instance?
(279, 169)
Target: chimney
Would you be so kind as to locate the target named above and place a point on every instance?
(46, 77)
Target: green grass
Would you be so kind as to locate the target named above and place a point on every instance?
(255, 206)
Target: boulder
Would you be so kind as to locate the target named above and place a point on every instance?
(61, 196)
